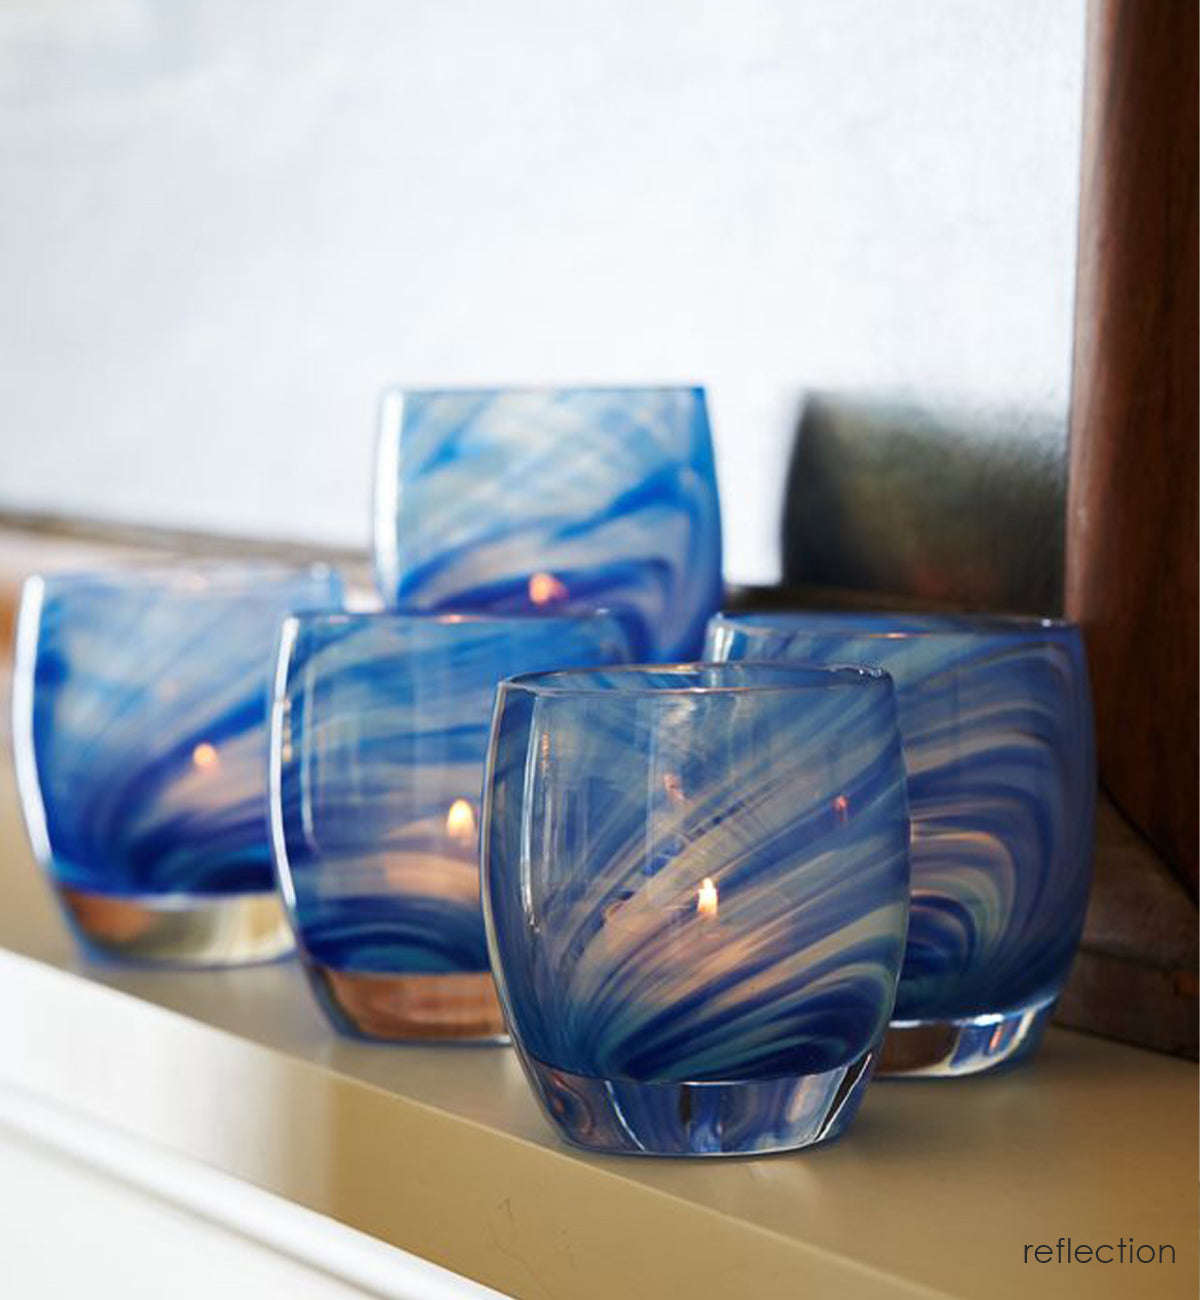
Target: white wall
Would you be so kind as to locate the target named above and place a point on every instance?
(225, 226)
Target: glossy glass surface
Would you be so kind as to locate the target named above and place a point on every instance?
(140, 705)
(696, 885)
(560, 499)
(995, 715)
(379, 735)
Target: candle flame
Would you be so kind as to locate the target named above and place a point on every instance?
(205, 755)
(545, 588)
(460, 822)
(840, 806)
(706, 897)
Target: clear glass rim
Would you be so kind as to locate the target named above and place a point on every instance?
(187, 578)
(401, 618)
(539, 390)
(806, 678)
(843, 622)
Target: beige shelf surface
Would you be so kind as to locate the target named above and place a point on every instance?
(441, 1151)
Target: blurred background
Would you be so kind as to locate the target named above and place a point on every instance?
(226, 227)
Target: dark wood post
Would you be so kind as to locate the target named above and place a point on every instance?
(1132, 498)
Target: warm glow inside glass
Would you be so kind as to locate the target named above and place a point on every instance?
(139, 718)
(995, 716)
(552, 499)
(379, 733)
(696, 887)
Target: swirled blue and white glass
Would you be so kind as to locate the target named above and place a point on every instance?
(996, 720)
(563, 499)
(140, 705)
(696, 886)
(379, 733)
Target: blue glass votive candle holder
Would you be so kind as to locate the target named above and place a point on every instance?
(696, 886)
(996, 721)
(379, 734)
(139, 720)
(554, 499)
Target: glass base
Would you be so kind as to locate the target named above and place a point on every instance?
(181, 929)
(949, 1049)
(700, 1119)
(410, 1008)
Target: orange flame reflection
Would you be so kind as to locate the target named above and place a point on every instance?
(205, 755)
(706, 897)
(460, 822)
(545, 588)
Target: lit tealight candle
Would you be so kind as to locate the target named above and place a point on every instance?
(677, 934)
(442, 860)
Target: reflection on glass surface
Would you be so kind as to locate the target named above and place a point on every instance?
(563, 499)
(379, 734)
(995, 715)
(696, 887)
(140, 702)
